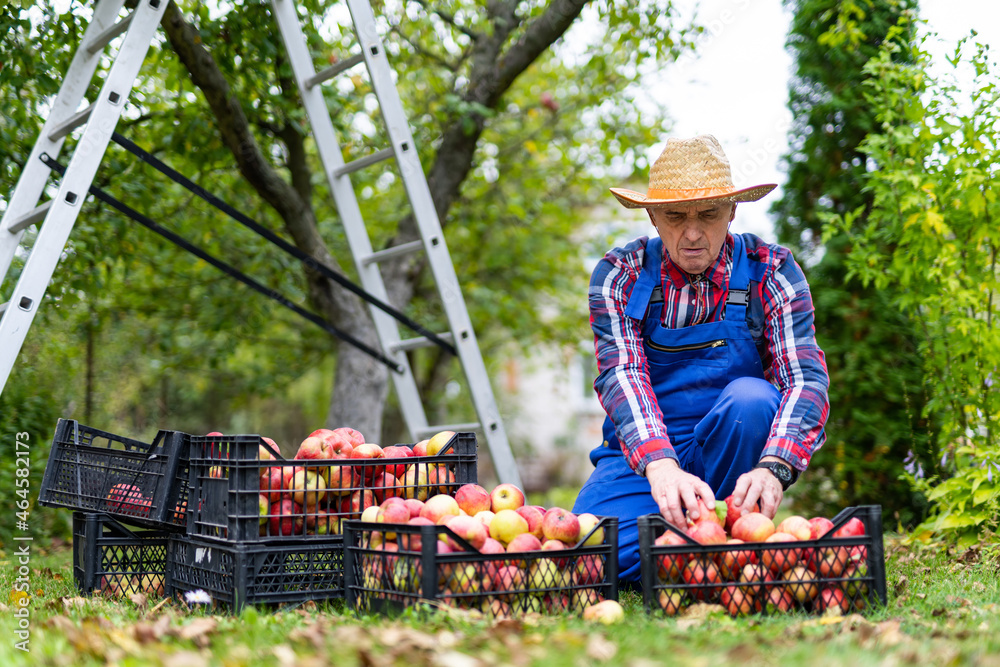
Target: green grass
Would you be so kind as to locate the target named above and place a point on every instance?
(943, 610)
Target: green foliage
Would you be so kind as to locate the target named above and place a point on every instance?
(932, 235)
(876, 386)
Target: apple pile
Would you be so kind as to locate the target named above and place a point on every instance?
(129, 500)
(746, 574)
(339, 478)
(508, 574)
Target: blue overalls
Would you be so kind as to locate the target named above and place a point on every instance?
(709, 384)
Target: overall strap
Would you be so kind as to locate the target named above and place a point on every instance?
(744, 270)
(648, 280)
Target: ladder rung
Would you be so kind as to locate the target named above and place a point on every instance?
(351, 167)
(70, 124)
(104, 38)
(394, 251)
(333, 70)
(417, 343)
(31, 218)
(431, 430)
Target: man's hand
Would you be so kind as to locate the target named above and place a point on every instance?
(759, 483)
(673, 490)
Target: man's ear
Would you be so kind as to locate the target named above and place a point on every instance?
(649, 212)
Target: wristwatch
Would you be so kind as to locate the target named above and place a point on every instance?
(784, 472)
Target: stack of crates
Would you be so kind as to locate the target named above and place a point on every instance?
(213, 513)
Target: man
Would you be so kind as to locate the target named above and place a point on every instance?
(708, 364)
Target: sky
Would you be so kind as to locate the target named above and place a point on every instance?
(735, 86)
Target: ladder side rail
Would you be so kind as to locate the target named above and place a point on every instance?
(347, 204)
(74, 186)
(34, 174)
(427, 220)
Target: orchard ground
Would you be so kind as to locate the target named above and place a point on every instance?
(943, 608)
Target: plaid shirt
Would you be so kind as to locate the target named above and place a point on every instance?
(792, 360)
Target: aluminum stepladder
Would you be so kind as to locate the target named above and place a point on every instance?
(461, 335)
(58, 215)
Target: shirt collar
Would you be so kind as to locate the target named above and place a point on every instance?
(716, 273)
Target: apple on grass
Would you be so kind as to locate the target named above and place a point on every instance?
(506, 497)
(473, 499)
(607, 612)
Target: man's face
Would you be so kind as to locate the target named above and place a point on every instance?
(693, 234)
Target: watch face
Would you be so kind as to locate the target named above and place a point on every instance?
(783, 473)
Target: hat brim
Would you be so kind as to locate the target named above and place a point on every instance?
(633, 199)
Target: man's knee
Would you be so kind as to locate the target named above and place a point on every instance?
(750, 395)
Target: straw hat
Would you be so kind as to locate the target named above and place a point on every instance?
(690, 170)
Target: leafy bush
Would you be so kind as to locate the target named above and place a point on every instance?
(931, 238)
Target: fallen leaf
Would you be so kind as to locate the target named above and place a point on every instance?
(284, 654)
(196, 629)
(74, 603)
(688, 623)
(138, 599)
(456, 659)
(888, 633)
(901, 585)
(702, 610)
(150, 632)
(599, 648)
(185, 659)
(507, 626)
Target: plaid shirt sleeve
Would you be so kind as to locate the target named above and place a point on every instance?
(623, 383)
(798, 366)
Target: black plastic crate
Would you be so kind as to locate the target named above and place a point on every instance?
(844, 573)
(96, 471)
(226, 484)
(115, 560)
(235, 575)
(380, 579)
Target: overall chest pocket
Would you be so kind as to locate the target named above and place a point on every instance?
(706, 353)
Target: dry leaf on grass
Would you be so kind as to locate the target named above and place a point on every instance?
(284, 654)
(456, 659)
(74, 603)
(185, 659)
(703, 610)
(196, 631)
(600, 649)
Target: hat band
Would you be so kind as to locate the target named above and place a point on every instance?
(699, 193)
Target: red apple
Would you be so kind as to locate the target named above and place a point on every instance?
(360, 500)
(438, 507)
(731, 562)
(307, 488)
(398, 469)
(524, 542)
(819, 527)
(414, 506)
(778, 599)
(506, 497)
(413, 541)
(755, 576)
(556, 545)
(832, 601)
(560, 524)
(485, 517)
(607, 612)
(671, 601)
(368, 451)
(420, 448)
(392, 513)
(709, 514)
(783, 559)
(853, 528)
(350, 435)
(264, 454)
(831, 562)
(469, 529)
(753, 527)
(386, 486)
(796, 526)
(708, 532)
(589, 570)
(311, 449)
(286, 518)
(671, 565)
(341, 480)
(801, 583)
(508, 578)
(732, 513)
(702, 573)
(738, 602)
(473, 499)
(534, 519)
(440, 478)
